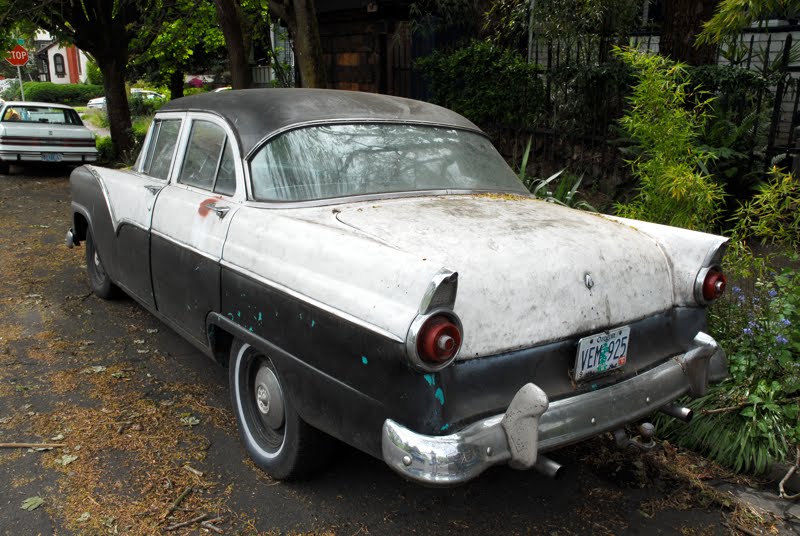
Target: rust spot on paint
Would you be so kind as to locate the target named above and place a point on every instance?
(203, 209)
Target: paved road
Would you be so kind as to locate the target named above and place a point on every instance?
(143, 417)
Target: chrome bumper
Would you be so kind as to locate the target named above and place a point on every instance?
(532, 424)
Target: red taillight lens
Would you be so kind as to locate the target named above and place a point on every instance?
(714, 284)
(438, 340)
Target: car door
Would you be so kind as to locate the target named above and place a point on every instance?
(132, 195)
(190, 223)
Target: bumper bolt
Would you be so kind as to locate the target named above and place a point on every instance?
(406, 460)
(593, 421)
(489, 451)
(647, 400)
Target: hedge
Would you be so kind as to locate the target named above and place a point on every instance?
(70, 94)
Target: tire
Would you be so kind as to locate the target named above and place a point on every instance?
(274, 435)
(101, 284)
(5, 168)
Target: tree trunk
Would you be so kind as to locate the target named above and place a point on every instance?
(307, 45)
(683, 20)
(231, 23)
(176, 84)
(119, 115)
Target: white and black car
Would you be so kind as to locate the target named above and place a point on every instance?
(369, 268)
(43, 132)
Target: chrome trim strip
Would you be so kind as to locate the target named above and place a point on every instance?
(444, 281)
(360, 120)
(376, 197)
(459, 457)
(311, 301)
(184, 245)
(106, 196)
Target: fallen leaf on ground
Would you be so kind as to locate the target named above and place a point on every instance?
(32, 503)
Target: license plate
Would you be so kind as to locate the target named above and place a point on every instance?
(602, 352)
(52, 157)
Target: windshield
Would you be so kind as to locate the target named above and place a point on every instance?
(41, 114)
(329, 161)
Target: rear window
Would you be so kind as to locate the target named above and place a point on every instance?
(330, 161)
(41, 114)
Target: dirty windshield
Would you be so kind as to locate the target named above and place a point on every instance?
(41, 114)
(331, 161)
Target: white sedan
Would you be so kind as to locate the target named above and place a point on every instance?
(43, 132)
(369, 268)
(136, 93)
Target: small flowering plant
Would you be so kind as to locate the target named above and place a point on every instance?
(751, 420)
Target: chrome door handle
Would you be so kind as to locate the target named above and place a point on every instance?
(219, 211)
(152, 188)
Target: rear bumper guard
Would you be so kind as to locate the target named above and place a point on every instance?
(532, 425)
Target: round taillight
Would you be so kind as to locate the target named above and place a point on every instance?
(438, 340)
(714, 284)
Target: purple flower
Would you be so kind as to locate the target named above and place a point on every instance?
(740, 298)
(747, 331)
(780, 339)
(772, 293)
(737, 290)
(785, 322)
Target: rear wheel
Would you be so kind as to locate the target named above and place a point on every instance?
(101, 284)
(275, 436)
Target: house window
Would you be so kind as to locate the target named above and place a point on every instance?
(58, 65)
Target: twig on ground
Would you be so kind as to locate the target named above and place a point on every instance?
(177, 502)
(192, 470)
(792, 470)
(32, 445)
(208, 524)
(192, 521)
(746, 530)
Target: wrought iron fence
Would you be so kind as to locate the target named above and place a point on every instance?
(586, 90)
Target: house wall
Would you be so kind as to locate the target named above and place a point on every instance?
(75, 62)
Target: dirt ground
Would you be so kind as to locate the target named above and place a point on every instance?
(145, 441)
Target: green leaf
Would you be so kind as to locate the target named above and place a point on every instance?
(32, 503)
(66, 459)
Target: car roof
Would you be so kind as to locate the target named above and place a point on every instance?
(255, 114)
(30, 103)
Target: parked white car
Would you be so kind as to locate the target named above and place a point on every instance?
(43, 132)
(370, 267)
(136, 93)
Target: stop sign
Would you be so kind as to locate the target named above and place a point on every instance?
(17, 56)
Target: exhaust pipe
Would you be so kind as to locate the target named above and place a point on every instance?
(680, 413)
(548, 467)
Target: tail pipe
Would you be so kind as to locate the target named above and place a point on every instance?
(680, 413)
(548, 467)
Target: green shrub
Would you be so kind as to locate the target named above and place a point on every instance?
(70, 94)
(194, 91)
(750, 421)
(93, 74)
(96, 117)
(492, 86)
(675, 187)
(144, 107)
(105, 151)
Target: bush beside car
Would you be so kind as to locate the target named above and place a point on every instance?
(69, 94)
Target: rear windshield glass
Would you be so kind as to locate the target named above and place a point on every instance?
(41, 114)
(330, 161)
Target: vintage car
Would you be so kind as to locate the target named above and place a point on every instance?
(369, 268)
(43, 132)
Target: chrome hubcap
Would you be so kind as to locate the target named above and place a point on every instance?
(269, 397)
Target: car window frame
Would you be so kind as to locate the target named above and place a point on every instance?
(140, 160)
(240, 195)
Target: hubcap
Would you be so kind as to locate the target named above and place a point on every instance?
(269, 397)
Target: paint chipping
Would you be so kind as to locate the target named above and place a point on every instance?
(444, 427)
(259, 316)
(312, 323)
(439, 395)
(430, 378)
(364, 360)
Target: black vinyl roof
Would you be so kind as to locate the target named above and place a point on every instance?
(256, 114)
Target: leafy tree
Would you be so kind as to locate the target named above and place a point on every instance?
(238, 18)
(732, 16)
(107, 31)
(189, 40)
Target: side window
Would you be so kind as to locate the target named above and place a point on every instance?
(208, 163)
(162, 148)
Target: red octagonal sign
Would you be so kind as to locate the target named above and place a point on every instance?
(17, 56)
